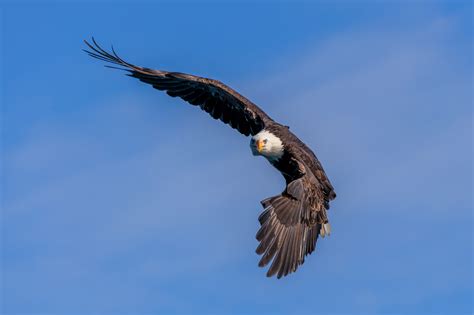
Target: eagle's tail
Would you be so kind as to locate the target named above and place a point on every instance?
(284, 236)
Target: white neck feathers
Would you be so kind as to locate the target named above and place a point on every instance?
(272, 149)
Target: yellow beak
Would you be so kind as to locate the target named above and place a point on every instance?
(259, 145)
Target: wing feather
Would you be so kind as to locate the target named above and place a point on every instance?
(216, 98)
(289, 228)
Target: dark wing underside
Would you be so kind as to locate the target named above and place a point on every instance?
(214, 97)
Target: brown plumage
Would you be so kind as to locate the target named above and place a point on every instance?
(291, 221)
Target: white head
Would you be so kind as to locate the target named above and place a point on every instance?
(267, 144)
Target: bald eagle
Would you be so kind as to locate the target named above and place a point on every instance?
(291, 221)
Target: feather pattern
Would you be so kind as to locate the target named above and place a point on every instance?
(290, 226)
(292, 221)
(214, 97)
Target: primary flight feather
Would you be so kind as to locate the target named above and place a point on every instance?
(291, 221)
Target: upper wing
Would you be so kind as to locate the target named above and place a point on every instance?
(219, 100)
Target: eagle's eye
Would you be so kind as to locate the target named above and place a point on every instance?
(265, 141)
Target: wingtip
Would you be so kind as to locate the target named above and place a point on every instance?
(88, 43)
(93, 40)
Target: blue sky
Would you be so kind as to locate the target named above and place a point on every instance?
(117, 199)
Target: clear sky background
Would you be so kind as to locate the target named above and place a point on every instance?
(117, 199)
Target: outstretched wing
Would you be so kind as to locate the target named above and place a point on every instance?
(214, 97)
(290, 226)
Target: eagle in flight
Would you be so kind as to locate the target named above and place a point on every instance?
(291, 221)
